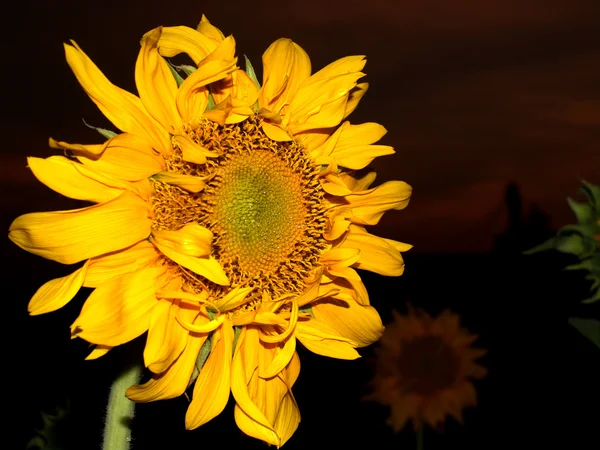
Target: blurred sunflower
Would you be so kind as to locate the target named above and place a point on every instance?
(224, 226)
(423, 370)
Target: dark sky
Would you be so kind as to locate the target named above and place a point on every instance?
(474, 94)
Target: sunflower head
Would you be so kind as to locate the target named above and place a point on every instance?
(227, 222)
(424, 369)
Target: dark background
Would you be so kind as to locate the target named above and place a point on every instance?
(494, 110)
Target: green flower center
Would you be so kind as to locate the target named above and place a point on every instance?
(259, 209)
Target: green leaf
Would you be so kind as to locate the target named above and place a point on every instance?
(250, 72)
(590, 328)
(550, 244)
(583, 212)
(570, 244)
(108, 134)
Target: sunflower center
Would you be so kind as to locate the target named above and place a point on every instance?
(427, 365)
(259, 210)
(263, 202)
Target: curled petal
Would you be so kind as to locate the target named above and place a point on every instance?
(203, 328)
(211, 390)
(376, 254)
(174, 381)
(191, 240)
(207, 266)
(155, 83)
(191, 151)
(188, 182)
(209, 30)
(285, 67)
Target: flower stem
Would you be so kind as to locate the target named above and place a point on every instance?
(420, 433)
(119, 412)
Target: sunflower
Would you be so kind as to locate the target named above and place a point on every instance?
(227, 222)
(423, 369)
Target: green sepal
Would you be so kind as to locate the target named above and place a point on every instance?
(204, 351)
(306, 309)
(250, 72)
(236, 335)
(187, 69)
(108, 134)
(201, 358)
(176, 75)
(211, 102)
(590, 328)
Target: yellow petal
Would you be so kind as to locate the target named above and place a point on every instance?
(337, 262)
(376, 254)
(126, 157)
(57, 293)
(214, 67)
(266, 408)
(210, 31)
(211, 391)
(321, 100)
(342, 66)
(351, 147)
(155, 83)
(119, 310)
(176, 40)
(206, 266)
(249, 418)
(281, 360)
(174, 381)
(234, 298)
(322, 339)
(240, 91)
(320, 111)
(99, 351)
(61, 175)
(334, 185)
(204, 327)
(188, 182)
(358, 184)
(351, 289)
(361, 324)
(336, 226)
(86, 149)
(103, 268)
(123, 109)
(166, 338)
(285, 67)
(191, 240)
(367, 207)
(192, 151)
(72, 236)
(354, 97)
(275, 132)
